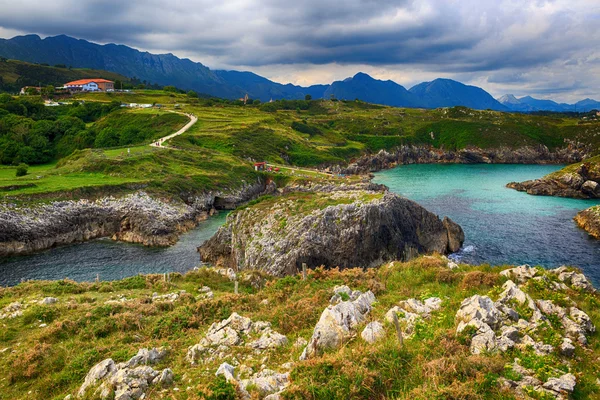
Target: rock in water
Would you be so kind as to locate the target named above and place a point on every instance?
(341, 228)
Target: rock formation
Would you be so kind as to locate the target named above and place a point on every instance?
(136, 218)
(590, 221)
(409, 154)
(342, 228)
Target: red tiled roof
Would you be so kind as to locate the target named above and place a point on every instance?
(86, 81)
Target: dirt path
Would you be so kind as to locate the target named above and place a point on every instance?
(193, 120)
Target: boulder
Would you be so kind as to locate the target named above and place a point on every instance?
(269, 340)
(337, 324)
(227, 371)
(96, 374)
(564, 384)
(521, 273)
(373, 332)
(481, 308)
(49, 300)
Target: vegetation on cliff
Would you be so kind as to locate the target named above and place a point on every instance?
(54, 332)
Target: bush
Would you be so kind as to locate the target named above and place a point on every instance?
(22, 169)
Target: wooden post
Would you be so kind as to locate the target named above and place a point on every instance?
(398, 329)
(235, 287)
(97, 277)
(303, 271)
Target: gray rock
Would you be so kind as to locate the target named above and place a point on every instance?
(562, 385)
(483, 342)
(521, 273)
(337, 324)
(254, 239)
(49, 300)
(481, 308)
(98, 372)
(145, 356)
(567, 348)
(269, 340)
(373, 332)
(227, 371)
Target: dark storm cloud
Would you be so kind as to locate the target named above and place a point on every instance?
(500, 38)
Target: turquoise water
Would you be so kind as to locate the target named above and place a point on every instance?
(109, 259)
(502, 226)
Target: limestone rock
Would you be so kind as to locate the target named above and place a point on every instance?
(562, 385)
(481, 308)
(567, 348)
(96, 373)
(337, 324)
(49, 300)
(373, 332)
(521, 273)
(227, 371)
(269, 340)
(365, 233)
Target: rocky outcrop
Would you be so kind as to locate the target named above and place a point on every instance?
(128, 380)
(338, 324)
(345, 229)
(136, 218)
(578, 181)
(590, 221)
(471, 155)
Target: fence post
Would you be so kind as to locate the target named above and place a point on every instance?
(97, 277)
(235, 287)
(303, 271)
(398, 329)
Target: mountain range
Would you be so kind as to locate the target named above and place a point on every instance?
(167, 69)
(529, 104)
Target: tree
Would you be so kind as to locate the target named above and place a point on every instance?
(107, 138)
(308, 97)
(22, 169)
(192, 94)
(171, 89)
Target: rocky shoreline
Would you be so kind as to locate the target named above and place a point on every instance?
(589, 220)
(136, 218)
(410, 154)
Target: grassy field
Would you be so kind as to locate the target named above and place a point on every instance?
(46, 352)
(221, 147)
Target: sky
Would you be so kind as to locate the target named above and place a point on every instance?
(546, 49)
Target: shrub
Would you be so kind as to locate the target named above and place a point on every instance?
(22, 169)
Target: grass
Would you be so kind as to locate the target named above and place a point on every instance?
(83, 329)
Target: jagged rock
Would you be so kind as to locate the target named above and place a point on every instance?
(539, 347)
(481, 308)
(128, 380)
(365, 233)
(137, 218)
(483, 342)
(452, 265)
(49, 300)
(267, 382)
(145, 356)
(591, 188)
(575, 279)
(269, 340)
(337, 324)
(169, 297)
(513, 292)
(300, 342)
(373, 332)
(562, 385)
(96, 373)
(567, 348)
(227, 371)
(521, 273)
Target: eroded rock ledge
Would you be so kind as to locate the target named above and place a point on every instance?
(409, 154)
(135, 218)
(590, 221)
(340, 228)
(578, 181)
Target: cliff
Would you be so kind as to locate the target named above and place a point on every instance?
(339, 228)
(135, 218)
(410, 154)
(590, 221)
(581, 180)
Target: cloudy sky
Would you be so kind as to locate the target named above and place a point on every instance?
(548, 49)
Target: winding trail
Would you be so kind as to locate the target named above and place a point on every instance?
(193, 120)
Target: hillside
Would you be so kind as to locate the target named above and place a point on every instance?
(190, 325)
(16, 74)
(297, 133)
(528, 104)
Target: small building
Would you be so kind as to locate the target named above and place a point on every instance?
(91, 85)
(260, 166)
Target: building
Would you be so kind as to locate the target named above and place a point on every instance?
(91, 85)
(260, 166)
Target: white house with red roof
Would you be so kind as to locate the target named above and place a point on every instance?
(91, 85)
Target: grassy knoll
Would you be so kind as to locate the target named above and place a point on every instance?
(46, 352)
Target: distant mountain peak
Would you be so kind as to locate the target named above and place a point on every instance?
(509, 99)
